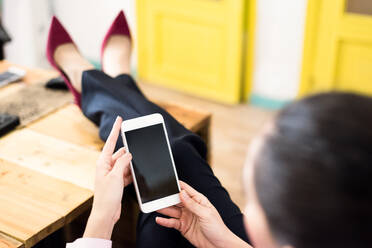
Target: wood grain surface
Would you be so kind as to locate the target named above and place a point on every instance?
(8, 242)
(69, 124)
(34, 205)
(50, 156)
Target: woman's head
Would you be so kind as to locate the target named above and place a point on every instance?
(310, 175)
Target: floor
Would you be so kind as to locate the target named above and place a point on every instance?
(233, 128)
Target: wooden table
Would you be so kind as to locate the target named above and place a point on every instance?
(47, 168)
(8, 242)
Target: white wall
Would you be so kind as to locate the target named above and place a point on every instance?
(86, 20)
(279, 42)
(26, 21)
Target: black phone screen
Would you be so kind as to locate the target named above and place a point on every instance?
(152, 162)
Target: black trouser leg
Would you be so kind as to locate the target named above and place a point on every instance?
(104, 98)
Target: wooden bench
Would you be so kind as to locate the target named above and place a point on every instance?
(47, 173)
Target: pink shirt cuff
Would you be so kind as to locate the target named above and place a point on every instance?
(90, 243)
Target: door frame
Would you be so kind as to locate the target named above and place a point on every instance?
(324, 42)
(248, 48)
(310, 46)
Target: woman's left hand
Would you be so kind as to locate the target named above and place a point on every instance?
(198, 221)
(112, 175)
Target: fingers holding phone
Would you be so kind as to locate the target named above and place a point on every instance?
(112, 175)
(121, 168)
(198, 220)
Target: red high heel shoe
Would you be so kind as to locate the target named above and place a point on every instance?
(119, 27)
(59, 36)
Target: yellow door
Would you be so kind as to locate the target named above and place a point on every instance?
(338, 46)
(192, 45)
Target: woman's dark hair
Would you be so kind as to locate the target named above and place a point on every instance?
(313, 176)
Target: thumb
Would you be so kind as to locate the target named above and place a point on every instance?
(191, 204)
(121, 163)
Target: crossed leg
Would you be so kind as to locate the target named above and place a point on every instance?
(105, 97)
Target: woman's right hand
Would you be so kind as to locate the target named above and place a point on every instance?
(198, 221)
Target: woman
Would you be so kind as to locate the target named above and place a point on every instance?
(307, 176)
(104, 95)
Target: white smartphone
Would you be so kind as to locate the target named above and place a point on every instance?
(154, 173)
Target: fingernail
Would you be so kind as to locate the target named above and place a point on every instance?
(130, 155)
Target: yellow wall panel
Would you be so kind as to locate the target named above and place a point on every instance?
(354, 71)
(198, 60)
(194, 46)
